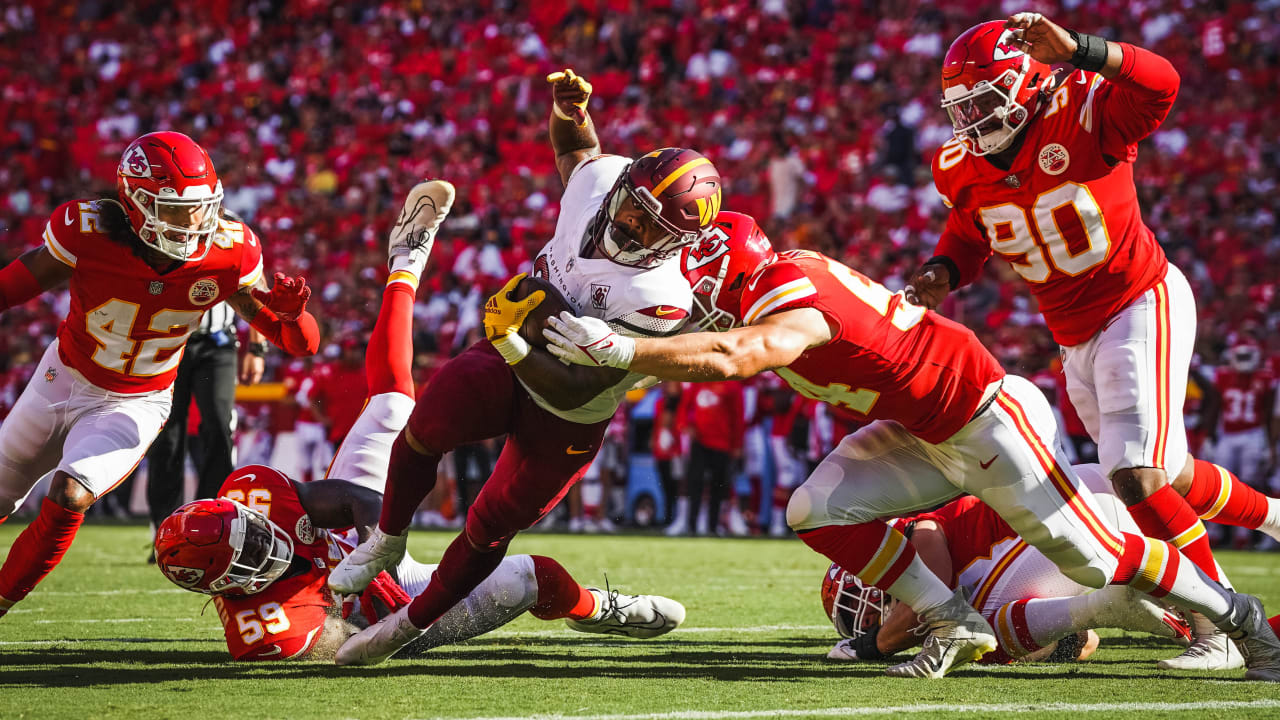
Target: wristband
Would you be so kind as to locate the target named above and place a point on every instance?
(258, 349)
(951, 267)
(1091, 51)
(865, 645)
(512, 348)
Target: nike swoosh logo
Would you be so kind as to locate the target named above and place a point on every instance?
(275, 650)
(987, 464)
(67, 217)
(571, 450)
(663, 311)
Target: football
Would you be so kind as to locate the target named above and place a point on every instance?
(552, 304)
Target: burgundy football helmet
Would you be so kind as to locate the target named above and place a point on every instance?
(221, 547)
(717, 268)
(854, 608)
(990, 87)
(171, 194)
(677, 189)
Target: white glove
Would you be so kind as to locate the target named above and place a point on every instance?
(844, 652)
(587, 341)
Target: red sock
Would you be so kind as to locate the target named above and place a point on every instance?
(1218, 495)
(862, 547)
(1012, 632)
(461, 569)
(388, 366)
(1166, 516)
(559, 595)
(410, 477)
(38, 549)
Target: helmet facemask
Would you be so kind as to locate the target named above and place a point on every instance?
(987, 117)
(1244, 358)
(857, 608)
(626, 250)
(177, 226)
(261, 552)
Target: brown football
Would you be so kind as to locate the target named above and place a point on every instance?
(552, 304)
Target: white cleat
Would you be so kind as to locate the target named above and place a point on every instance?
(1210, 649)
(380, 552)
(636, 616)
(415, 230)
(379, 641)
(957, 635)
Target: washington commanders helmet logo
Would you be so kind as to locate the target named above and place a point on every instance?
(203, 291)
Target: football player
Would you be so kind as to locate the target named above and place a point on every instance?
(1040, 172)
(1031, 605)
(614, 256)
(264, 549)
(141, 268)
(944, 419)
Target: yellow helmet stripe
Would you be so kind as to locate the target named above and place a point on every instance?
(678, 173)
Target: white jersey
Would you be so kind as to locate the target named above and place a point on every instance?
(636, 302)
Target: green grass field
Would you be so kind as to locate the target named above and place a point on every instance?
(106, 636)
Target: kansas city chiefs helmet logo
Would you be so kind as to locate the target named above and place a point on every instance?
(135, 162)
(1005, 48)
(704, 252)
(184, 576)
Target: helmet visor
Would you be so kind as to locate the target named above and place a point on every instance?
(979, 112)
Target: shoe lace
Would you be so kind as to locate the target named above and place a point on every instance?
(612, 608)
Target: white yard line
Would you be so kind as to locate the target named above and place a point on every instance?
(1001, 709)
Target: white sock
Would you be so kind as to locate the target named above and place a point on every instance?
(919, 588)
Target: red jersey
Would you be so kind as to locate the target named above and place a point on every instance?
(1065, 215)
(888, 359)
(714, 411)
(129, 323)
(1246, 398)
(973, 532)
(284, 620)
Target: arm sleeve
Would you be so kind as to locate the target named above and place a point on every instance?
(17, 285)
(1134, 103)
(299, 338)
(963, 244)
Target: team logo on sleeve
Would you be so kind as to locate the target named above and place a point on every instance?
(599, 296)
(183, 576)
(1054, 159)
(203, 291)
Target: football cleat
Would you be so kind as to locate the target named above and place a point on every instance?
(415, 230)
(957, 635)
(1210, 649)
(380, 640)
(1246, 624)
(636, 616)
(380, 552)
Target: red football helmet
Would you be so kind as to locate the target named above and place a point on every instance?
(171, 193)
(854, 608)
(220, 547)
(677, 189)
(1244, 355)
(990, 87)
(717, 268)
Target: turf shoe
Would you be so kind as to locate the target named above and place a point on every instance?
(1246, 624)
(415, 230)
(1210, 649)
(377, 553)
(957, 635)
(380, 640)
(637, 616)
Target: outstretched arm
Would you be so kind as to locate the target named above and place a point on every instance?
(332, 503)
(34, 272)
(774, 341)
(573, 135)
(280, 314)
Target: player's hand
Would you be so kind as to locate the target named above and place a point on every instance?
(287, 297)
(569, 95)
(382, 597)
(252, 368)
(504, 316)
(844, 652)
(929, 286)
(587, 341)
(1041, 38)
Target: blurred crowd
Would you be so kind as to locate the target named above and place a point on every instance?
(822, 117)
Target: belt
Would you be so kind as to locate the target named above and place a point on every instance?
(988, 402)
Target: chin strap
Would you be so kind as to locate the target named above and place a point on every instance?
(17, 285)
(299, 338)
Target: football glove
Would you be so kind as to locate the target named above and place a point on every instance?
(569, 95)
(287, 297)
(382, 597)
(504, 316)
(588, 341)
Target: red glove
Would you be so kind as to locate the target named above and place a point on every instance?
(287, 297)
(383, 590)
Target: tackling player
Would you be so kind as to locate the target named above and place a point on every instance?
(1041, 173)
(1031, 605)
(622, 224)
(142, 268)
(265, 548)
(945, 419)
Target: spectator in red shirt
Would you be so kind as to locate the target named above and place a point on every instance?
(713, 415)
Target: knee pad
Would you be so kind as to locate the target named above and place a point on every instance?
(800, 511)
